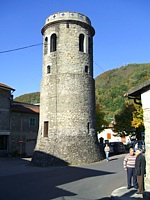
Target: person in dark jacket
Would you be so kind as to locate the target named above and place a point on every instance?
(140, 170)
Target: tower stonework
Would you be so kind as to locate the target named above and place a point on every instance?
(67, 102)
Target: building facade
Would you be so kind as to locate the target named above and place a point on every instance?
(142, 92)
(19, 124)
(108, 135)
(67, 101)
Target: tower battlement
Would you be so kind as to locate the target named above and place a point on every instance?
(68, 16)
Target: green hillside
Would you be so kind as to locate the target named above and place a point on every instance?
(110, 87)
(32, 98)
(113, 84)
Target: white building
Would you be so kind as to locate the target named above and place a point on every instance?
(109, 135)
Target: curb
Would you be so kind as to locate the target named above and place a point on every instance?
(123, 193)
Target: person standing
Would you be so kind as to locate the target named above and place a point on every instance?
(107, 150)
(129, 166)
(140, 170)
(136, 146)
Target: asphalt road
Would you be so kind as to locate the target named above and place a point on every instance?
(20, 181)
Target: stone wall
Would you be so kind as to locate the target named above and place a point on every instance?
(22, 132)
(17, 136)
(4, 110)
(146, 109)
(67, 101)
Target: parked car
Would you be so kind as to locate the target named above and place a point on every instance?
(118, 147)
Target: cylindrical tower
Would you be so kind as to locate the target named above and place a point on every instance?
(67, 103)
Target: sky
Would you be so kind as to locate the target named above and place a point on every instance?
(122, 36)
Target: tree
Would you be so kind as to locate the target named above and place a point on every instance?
(137, 116)
(130, 118)
(137, 121)
(100, 122)
(123, 120)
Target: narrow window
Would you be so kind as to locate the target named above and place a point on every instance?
(45, 45)
(46, 129)
(48, 69)
(53, 42)
(88, 127)
(32, 121)
(109, 136)
(81, 42)
(67, 25)
(86, 69)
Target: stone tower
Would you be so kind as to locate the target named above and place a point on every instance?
(67, 103)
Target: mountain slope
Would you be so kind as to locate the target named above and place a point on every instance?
(32, 98)
(111, 86)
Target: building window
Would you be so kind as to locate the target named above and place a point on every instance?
(86, 69)
(3, 142)
(46, 129)
(32, 122)
(48, 69)
(108, 136)
(88, 127)
(81, 42)
(45, 45)
(67, 25)
(53, 43)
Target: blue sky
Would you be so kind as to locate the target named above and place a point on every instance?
(122, 36)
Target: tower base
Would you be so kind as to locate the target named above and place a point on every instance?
(67, 151)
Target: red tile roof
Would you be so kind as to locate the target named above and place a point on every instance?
(25, 108)
(6, 87)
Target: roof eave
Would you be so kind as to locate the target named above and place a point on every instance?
(137, 91)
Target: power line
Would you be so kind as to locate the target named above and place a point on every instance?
(34, 45)
(99, 66)
(21, 48)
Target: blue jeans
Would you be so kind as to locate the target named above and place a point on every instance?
(131, 175)
(107, 155)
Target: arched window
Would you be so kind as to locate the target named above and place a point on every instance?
(53, 42)
(48, 69)
(45, 45)
(81, 42)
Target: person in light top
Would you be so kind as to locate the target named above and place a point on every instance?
(107, 149)
(129, 166)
